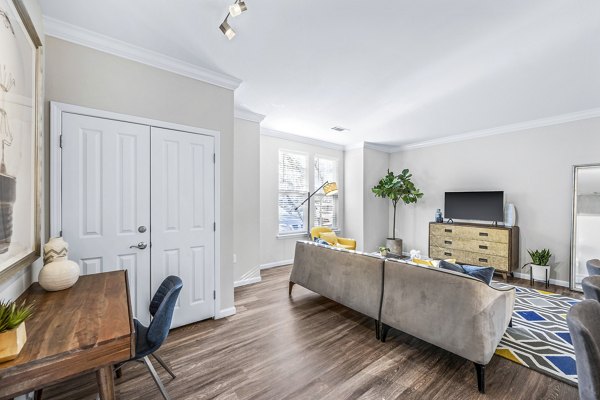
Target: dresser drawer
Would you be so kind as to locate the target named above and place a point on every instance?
(483, 260)
(470, 233)
(475, 246)
(439, 253)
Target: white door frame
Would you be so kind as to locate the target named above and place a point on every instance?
(56, 110)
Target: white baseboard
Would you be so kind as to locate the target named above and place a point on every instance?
(247, 281)
(552, 281)
(225, 313)
(276, 264)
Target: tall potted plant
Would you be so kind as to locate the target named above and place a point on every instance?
(397, 188)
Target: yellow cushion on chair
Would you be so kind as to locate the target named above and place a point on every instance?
(329, 237)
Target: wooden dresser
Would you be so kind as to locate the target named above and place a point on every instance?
(484, 245)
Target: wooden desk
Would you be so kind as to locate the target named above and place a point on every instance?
(86, 328)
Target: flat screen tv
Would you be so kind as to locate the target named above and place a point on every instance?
(480, 206)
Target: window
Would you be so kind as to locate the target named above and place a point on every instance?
(293, 189)
(325, 207)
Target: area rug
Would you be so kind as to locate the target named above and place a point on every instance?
(539, 338)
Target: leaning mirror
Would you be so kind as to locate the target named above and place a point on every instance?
(585, 242)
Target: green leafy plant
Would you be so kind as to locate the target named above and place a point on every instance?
(540, 257)
(396, 188)
(13, 314)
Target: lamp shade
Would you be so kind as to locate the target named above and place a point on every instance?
(330, 189)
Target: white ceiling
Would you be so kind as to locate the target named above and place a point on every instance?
(394, 72)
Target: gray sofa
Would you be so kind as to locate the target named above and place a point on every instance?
(450, 310)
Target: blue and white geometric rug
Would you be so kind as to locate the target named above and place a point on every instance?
(539, 338)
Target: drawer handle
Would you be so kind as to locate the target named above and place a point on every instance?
(448, 230)
(447, 254)
(483, 260)
(483, 234)
(447, 241)
(483, 247)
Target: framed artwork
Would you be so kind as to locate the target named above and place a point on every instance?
(20, 138)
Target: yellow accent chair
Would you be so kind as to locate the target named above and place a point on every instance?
(330, 237)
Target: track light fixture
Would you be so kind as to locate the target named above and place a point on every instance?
(237, 8)
(227, 29)
(234, 10)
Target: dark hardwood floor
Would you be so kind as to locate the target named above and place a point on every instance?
(307, 347)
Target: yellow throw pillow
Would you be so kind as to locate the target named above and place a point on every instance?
(427, 263)
(329, 237)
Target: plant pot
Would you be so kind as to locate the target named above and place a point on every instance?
(395, 245)
(539, 272)
(59, 274)
(12, 342)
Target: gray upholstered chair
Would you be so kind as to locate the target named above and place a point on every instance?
(591, 287)
(593, 267)
(584, 325)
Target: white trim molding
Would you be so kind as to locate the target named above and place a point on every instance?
(373, 146)
(247, 281)
(84, 37)
(300, 139)
(520, 126)
(248, 115)
(276, 264)
(227, 312)
(525, 275)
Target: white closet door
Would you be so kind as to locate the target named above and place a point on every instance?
(106, 200)
(183, 215)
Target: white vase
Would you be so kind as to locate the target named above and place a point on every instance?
(510, 215)
(59, 274)
(55, 248)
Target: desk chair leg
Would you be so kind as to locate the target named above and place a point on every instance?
(164, 365)
(156, 378)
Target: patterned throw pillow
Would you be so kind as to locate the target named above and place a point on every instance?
(484, 274)
(321, 241)
(330, 237)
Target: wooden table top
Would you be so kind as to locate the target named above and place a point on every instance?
(88, 325)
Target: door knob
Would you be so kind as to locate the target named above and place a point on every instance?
(142, 229)
(140, 245)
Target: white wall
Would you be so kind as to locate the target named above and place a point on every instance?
(15, 285)
(534, 169)
(246, 201)
(86, 77)
(274, 250)
(354, 196)
(376, 216)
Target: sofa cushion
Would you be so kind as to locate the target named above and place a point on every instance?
(330, 237)
(451, 266)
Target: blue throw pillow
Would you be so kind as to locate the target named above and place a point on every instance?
(321, 241)
(484, 274)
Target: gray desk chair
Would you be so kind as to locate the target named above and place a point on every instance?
(593, 267)
(149, 339)
(591, 287)
(584, 325)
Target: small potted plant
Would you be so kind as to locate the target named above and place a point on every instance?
(397, 188)
(383, 251)
(540, 270)
(12, 328)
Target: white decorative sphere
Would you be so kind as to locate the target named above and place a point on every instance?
(59, 274)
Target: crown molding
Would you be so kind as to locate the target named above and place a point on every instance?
(520, 126)
(248, 115)
(300, 139)
(75, 34)
(372, 146)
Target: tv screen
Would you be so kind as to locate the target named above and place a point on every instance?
(480, 206)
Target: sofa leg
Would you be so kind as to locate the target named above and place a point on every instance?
(480, 370)
(290, 288)
(384, 331)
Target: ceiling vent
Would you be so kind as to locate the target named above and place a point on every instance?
(340, 129)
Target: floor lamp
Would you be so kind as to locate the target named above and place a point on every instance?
(330, 188)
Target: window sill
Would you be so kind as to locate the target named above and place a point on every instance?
(299, 235)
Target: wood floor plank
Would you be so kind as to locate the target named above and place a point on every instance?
(307, 347)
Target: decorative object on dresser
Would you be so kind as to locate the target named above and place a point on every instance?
(396, 188)
(59, 272)
(510, 215)
(439, 217)
(482, 245)
(539, 270)
(12, 328)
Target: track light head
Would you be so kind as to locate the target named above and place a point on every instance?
(227, 30)
(237, 8)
